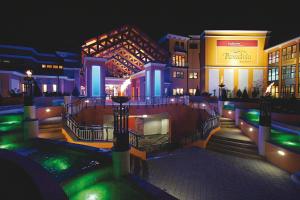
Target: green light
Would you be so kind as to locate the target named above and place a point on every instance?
(10, 122)
(57, 163)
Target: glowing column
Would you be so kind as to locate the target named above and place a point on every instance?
(95, 76)
(264, 124)
(154, 79)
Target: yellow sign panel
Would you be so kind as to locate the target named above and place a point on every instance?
(237, 52)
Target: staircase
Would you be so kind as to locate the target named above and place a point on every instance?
(51, 129)
(230, 140)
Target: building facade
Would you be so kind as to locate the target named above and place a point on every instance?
(57, 72)
(283, 68)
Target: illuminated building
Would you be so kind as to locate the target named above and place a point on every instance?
(283, 68)
(53, 72)
(235, 58)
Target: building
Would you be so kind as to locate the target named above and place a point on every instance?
(57, 72)
(235, 58)
(283, 68)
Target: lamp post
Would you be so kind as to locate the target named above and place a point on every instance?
(221, 100)
(31, 126)
(120, 150)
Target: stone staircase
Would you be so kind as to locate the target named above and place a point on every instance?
(51, 129)
(230, 140)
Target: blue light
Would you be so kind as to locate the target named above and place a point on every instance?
(96, 81)
(148, 86)
(157, 83)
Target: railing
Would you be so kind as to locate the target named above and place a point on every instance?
(205, 128)
(77, 106)
(89, 133)
(135, 139)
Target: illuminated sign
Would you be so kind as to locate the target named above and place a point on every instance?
(237, 52)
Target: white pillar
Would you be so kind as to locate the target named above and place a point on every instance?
(263, 136)
(220, 107)
(30, 123)
(121, 163)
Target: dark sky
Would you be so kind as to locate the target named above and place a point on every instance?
(65, 25)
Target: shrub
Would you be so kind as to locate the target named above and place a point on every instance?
(239, 93)
(245, 94)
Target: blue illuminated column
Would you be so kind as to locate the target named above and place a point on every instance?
(95, 72)
(154, 79)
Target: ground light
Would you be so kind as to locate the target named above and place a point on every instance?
(242, 123)
(145, 116)
(281, 152)
(229, 112)
(48, 110)
(250, 129)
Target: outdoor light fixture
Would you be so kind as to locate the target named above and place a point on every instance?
(145, 116)
(229, 112)
(203, 105)
(281, 152)
(250, 129)
(242, 123)
(48, 110)
(29, 73)
(86, 101)
(172, 100)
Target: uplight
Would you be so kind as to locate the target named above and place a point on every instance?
(203, 105)
(281, 152)
(229, 112)
(172, 100)
(86, 101)
(250, 129)
(242, 123)
(48, 110)
(145, 116)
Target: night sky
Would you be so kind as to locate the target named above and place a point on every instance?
(64, 25)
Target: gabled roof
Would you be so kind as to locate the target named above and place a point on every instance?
(127, 50)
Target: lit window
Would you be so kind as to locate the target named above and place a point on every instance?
(178, 91)
(178, 74)
(193, 75)
(44, 87)
(192, 91)
(54, 88)
(178, 60)
(55, 66)
(43, 66)
(60, 66)
(49, 66)
(23, 87)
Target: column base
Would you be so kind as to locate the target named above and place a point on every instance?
(121, 163)
(263, 136)
(31, 128)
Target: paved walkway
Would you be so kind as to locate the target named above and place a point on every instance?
(233, 133)
(193, 173)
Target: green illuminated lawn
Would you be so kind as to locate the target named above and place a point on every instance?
(10, 122)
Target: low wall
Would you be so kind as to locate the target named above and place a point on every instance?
(286, 118)
(229, 114)
(54, 111)
(203, 143)
(249, 130)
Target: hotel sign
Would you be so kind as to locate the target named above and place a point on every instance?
(237, 52)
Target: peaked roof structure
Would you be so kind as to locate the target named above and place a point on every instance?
(126, 49)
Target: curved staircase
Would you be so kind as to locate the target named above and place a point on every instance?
(230, 140)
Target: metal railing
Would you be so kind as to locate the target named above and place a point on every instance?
(89, 133)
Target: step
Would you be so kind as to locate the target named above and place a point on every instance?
(241, 149)
(233, 143)
(231, 139)
(227, 122)
(49, 126)
(239, 154)
(227, 126)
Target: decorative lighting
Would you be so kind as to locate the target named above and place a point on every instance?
(242, 123)
(250, 129)
(48, 110)
(145, 116)
(125, 85)
(229, 112)
(92, 197)
(86, 101)
(29, 73)
(172, 100)
(281, 152)
(203, 105)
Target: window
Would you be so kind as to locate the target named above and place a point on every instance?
(273, 74)
(54, 88)
(192, 91)
(182, 44)
(60, 66)
(294, 50)
(178, 60)
(288, 72)
(193, 75)
(43, 66)
(178, 74)
(275, 91)
(44, 87)
(178, 91)
(288, 90)
(49, 66)
(284, 54)
(193, 46)
(55, 66)
(289, 52)
(23, 87)
(273, 57)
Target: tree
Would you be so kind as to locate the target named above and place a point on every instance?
(197, 93)
(36, 90)
(239, 93)
(75, 92)
(245, 94)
